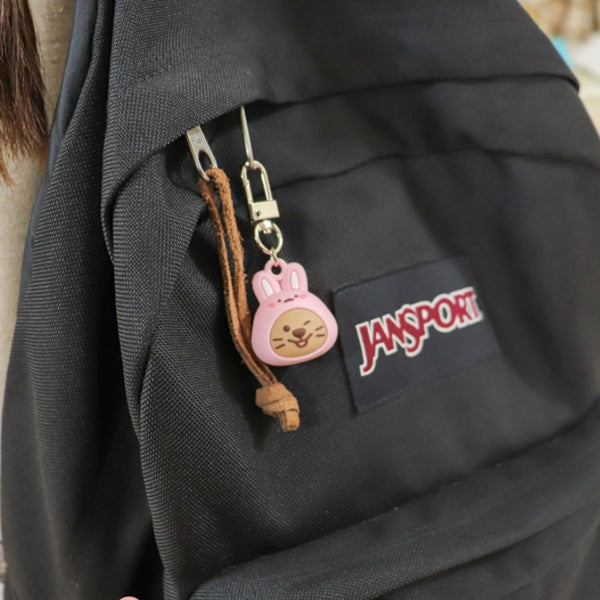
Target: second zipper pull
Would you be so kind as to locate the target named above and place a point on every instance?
(291, 324)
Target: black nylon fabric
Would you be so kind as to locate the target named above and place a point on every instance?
(133, 458)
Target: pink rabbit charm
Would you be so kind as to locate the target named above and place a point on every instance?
(291, 325)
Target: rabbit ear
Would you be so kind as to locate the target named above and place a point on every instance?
(295, 278)
(264, 285)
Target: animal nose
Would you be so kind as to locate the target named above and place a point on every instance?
(299, 333)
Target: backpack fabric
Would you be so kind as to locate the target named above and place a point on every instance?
(396, 134)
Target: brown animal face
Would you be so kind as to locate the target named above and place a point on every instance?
(298, 332)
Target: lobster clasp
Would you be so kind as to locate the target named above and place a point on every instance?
(261, 211)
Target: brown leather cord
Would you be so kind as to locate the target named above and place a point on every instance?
(272, 397)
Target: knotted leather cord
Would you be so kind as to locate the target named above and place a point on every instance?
(272, 397)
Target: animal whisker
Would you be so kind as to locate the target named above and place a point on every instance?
(280, 346)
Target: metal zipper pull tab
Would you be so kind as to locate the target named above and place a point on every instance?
(199, 147)
(291, 324)
(262, 212)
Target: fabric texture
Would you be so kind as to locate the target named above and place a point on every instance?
(134, 461)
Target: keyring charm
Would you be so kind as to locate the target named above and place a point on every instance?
(291, 325)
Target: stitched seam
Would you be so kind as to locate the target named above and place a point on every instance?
(365, 34)
(122, 94)
(125, 92)
(482, 508)
(342, 291)
(509, 547)
(395, 155)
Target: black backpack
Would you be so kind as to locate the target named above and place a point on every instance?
(438, 178)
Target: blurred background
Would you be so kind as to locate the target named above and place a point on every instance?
(574, 28)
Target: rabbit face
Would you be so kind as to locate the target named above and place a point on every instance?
(291, 325)
(298, 332)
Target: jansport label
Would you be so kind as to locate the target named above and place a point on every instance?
(410, 326)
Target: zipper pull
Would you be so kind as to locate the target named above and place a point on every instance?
(263, 212)
(291, 324)
(266, 209)
(199, 147)
(273, 398)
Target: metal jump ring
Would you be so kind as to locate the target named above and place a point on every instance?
(273, 250)
(274, 257)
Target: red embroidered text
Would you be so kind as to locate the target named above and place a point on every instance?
(409, 326)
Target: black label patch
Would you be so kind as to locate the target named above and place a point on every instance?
(410, 326)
